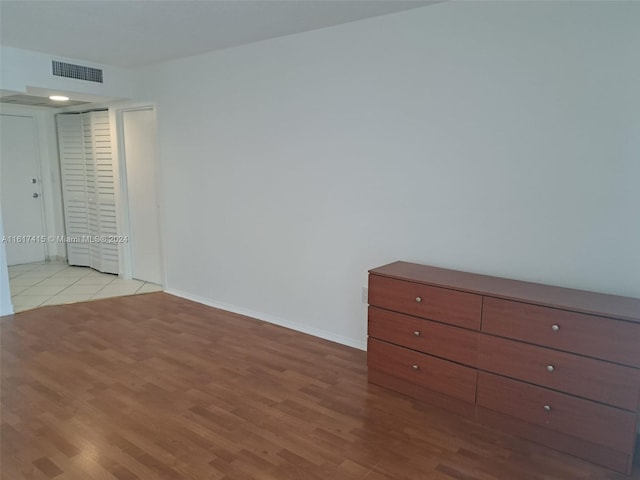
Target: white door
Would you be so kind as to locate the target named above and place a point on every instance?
(88, 185)
(100, 184)
(21, 193)
(74, 186)
(138, 127)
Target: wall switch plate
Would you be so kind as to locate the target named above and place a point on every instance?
(365, 295)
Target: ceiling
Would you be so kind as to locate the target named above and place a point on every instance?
(36, 101)
(130, 33)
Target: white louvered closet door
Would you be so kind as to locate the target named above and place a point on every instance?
(74, 186)
(88, 189)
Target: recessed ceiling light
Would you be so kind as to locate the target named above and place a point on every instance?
(58, 98)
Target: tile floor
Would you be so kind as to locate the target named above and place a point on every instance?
(54, 283)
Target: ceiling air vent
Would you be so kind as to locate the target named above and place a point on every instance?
(69, 70)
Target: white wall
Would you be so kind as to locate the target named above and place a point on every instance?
(499, 138)
(6, 307)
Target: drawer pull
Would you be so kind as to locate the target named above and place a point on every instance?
(555, 328)
(415, 367)
(418, 299)
(547, 408)
(550, 368)
(416, 333)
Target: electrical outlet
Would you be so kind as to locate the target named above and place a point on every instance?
(365, 295)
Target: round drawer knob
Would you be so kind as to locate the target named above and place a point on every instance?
(547, 408)
(550, 368)
(555, 328)
(416, 333)
(415, 367)
(418, 299)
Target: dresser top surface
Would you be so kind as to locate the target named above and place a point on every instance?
(624, 308)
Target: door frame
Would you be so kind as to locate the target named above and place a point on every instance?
(44, 192)
(49, 171)
(122, 199)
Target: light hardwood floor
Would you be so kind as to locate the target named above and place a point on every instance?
(157, 387)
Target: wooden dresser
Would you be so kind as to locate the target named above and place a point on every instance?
(554, 365)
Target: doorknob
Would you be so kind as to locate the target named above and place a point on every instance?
(35, 195)
(33, 180)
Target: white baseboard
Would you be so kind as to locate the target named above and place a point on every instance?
(265, 317)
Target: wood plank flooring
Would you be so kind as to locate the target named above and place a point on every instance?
(157, 387)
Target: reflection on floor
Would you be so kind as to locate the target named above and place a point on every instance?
(54, 283)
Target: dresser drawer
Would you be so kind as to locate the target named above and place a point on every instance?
(430, 372)
(434, 338)
(604, 382)
(598, 337)
(440, 304)
(600, 424)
